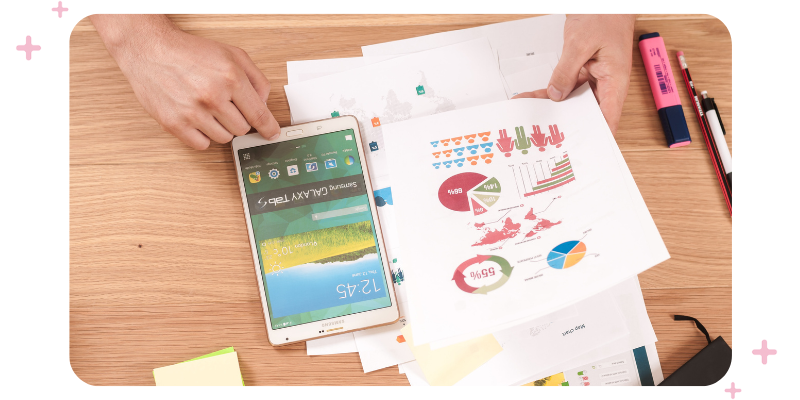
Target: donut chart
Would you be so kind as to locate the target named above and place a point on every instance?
(460, 277)
(566, 254)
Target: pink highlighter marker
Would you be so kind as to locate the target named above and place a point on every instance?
(665, 91)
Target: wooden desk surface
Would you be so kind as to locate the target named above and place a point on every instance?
(160, 267)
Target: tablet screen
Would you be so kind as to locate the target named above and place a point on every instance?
(313, 228)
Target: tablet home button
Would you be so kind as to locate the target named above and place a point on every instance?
(294, 132)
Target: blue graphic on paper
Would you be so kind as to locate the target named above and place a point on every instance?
(383, 197)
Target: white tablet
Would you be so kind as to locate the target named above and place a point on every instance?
(314, 231)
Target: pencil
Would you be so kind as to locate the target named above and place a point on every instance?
(712, 149)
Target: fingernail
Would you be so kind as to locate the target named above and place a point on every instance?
(553, 93)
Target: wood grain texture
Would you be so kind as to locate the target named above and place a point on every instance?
(195, 21)
(160, 270)
(120, 345)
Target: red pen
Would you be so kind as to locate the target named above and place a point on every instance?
(712, 149)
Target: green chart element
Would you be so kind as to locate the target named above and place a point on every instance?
(487, 199)
(490, 186)
(486, 289)
(420, 90)
(556, 182)
(505, 267)
(522, 142)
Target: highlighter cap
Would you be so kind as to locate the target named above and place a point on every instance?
(674, 123)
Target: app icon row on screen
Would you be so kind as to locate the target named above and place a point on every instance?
(293, 170)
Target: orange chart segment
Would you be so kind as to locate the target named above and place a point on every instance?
(573, 259)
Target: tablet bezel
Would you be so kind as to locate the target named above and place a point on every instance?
(336, 325)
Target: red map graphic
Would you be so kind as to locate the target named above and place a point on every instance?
(509, 230)
(542, 225)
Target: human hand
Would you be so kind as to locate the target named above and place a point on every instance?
(597, 49)
(197, 89)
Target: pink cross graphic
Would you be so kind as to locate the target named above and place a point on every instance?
(28, 48)
(764, 352)
(733, 390)
(60, 9)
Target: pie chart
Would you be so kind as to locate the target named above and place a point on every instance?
(566, 254)
(469, 191)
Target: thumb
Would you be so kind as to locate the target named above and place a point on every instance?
(567, 71)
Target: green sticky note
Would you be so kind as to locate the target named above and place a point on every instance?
(216, 353)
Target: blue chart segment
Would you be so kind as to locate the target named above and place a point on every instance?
(566, 254)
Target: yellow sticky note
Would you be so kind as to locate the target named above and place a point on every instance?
(552, 380)
(221, 370)
(447, 365)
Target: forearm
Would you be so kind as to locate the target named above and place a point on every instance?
(125, 34)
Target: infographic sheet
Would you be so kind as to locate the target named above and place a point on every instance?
(512, 210)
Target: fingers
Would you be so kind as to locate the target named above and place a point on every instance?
(611, 95)
(214, 130)
(255, 111)
(583, 76)
(536, 94)
(229, 116)
(192, 137)
(568, 70)
(610, 86)
(200, 138)
(254, 75)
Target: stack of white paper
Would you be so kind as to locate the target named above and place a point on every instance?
(455, 85)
